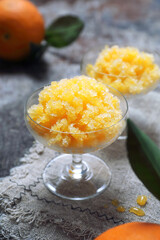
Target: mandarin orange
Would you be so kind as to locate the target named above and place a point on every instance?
(132, 231)
(20, 24)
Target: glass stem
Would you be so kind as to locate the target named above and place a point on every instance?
(77, 168)
(76, 160)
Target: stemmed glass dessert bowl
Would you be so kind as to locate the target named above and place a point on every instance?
(75, 174)
(133, 71)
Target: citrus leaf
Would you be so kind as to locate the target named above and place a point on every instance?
(144, 157)
(63, 31)
(37, 50)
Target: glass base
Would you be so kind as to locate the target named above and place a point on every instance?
(63, 180)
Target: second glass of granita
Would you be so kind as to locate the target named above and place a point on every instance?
(75, 117)
(130, 70)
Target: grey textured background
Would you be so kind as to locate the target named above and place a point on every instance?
(134, 22)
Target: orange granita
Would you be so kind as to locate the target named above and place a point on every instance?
(76, 113)
(126, 69)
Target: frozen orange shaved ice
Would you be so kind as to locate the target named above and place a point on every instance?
(126, 69)
(76, 114)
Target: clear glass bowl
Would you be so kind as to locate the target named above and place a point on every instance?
(76, 175)
(91, 56)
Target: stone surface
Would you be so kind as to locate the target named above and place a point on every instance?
(134, 22)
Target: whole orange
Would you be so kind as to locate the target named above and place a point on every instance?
(20, 24)
(132, 231)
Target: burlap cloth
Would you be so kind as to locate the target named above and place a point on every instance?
(30, 211)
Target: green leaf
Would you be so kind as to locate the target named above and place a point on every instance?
(144, 157)
(36, 51)
(63, 31)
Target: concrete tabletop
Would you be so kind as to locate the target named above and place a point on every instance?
(134, 22)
